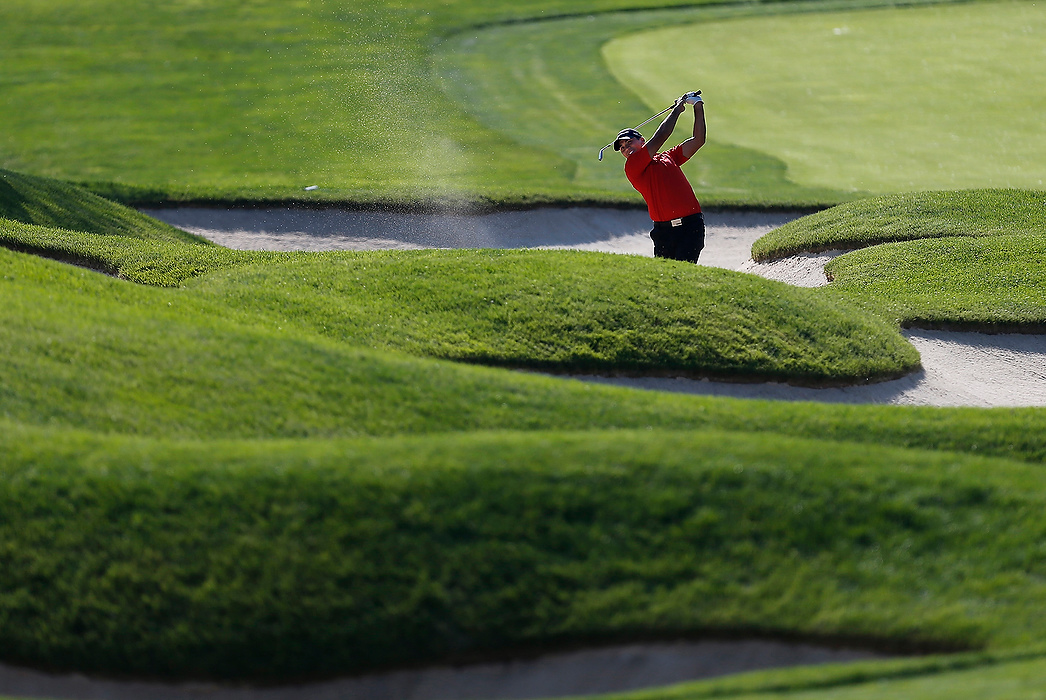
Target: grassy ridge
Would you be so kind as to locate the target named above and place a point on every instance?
(273, 559)
(54, 204)
(964, 260)
(83, 350)
(567, 311)
(906, 217)
(993, 284)
(552, 310)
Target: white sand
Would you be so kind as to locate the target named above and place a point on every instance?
(959, 369)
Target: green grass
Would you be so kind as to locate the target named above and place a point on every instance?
(546, 82)
(918, 98)
(552, 310)
(993, 284)
(1017, 675)
(50, 203)
(568, 311)
(967, 260)
(247, 465)
(456, 104)
(291, 503)
(276, 559)
(906, 217)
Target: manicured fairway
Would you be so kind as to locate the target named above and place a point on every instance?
(941, 97)
(493, 102)
(226, 99)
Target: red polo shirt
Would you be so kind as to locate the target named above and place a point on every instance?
(660, 180)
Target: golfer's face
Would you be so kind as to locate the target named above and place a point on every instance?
(630, 146)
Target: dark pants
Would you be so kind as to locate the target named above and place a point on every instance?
(681, 242)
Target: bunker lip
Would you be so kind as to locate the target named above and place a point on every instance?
(577, 668)
(960, 367)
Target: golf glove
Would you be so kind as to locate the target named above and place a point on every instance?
(693, 98)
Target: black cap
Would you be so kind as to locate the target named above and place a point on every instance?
(626, 134)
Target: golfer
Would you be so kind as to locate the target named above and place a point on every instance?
(679, 225)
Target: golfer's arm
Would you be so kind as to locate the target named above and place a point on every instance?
(692, 144)
(663, 132)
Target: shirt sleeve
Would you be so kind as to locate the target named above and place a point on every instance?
(677, 156)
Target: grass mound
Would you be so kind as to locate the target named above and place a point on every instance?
(968, 260)
(212, 545)
(568, 311)
(553, 310)
(280, 559)
(54, 204)
(905, 217)
(992, 284)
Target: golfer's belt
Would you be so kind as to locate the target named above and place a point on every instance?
(675, 222)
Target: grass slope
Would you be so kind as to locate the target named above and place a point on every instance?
(552, 310)
(991, 284)
(242, 553)
(101, 354)
(967, 260)
(566, 311)
(277, 559)
(51, 203)
(906, 217)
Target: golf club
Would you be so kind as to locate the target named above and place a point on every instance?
(688, 96)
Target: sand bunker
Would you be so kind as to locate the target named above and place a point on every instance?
(728, 240)
(590, 671)
(959, 369)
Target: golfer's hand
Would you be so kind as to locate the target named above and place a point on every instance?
(680, 105)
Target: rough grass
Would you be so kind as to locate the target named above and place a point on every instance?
(552, 310)
(968, 260)
(160, 520)
(278, 559)
(909, 216)
(566, 311)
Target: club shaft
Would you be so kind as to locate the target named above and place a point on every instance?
(653, 117)
(636, 127)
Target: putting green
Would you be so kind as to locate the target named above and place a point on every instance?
(924, 98)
